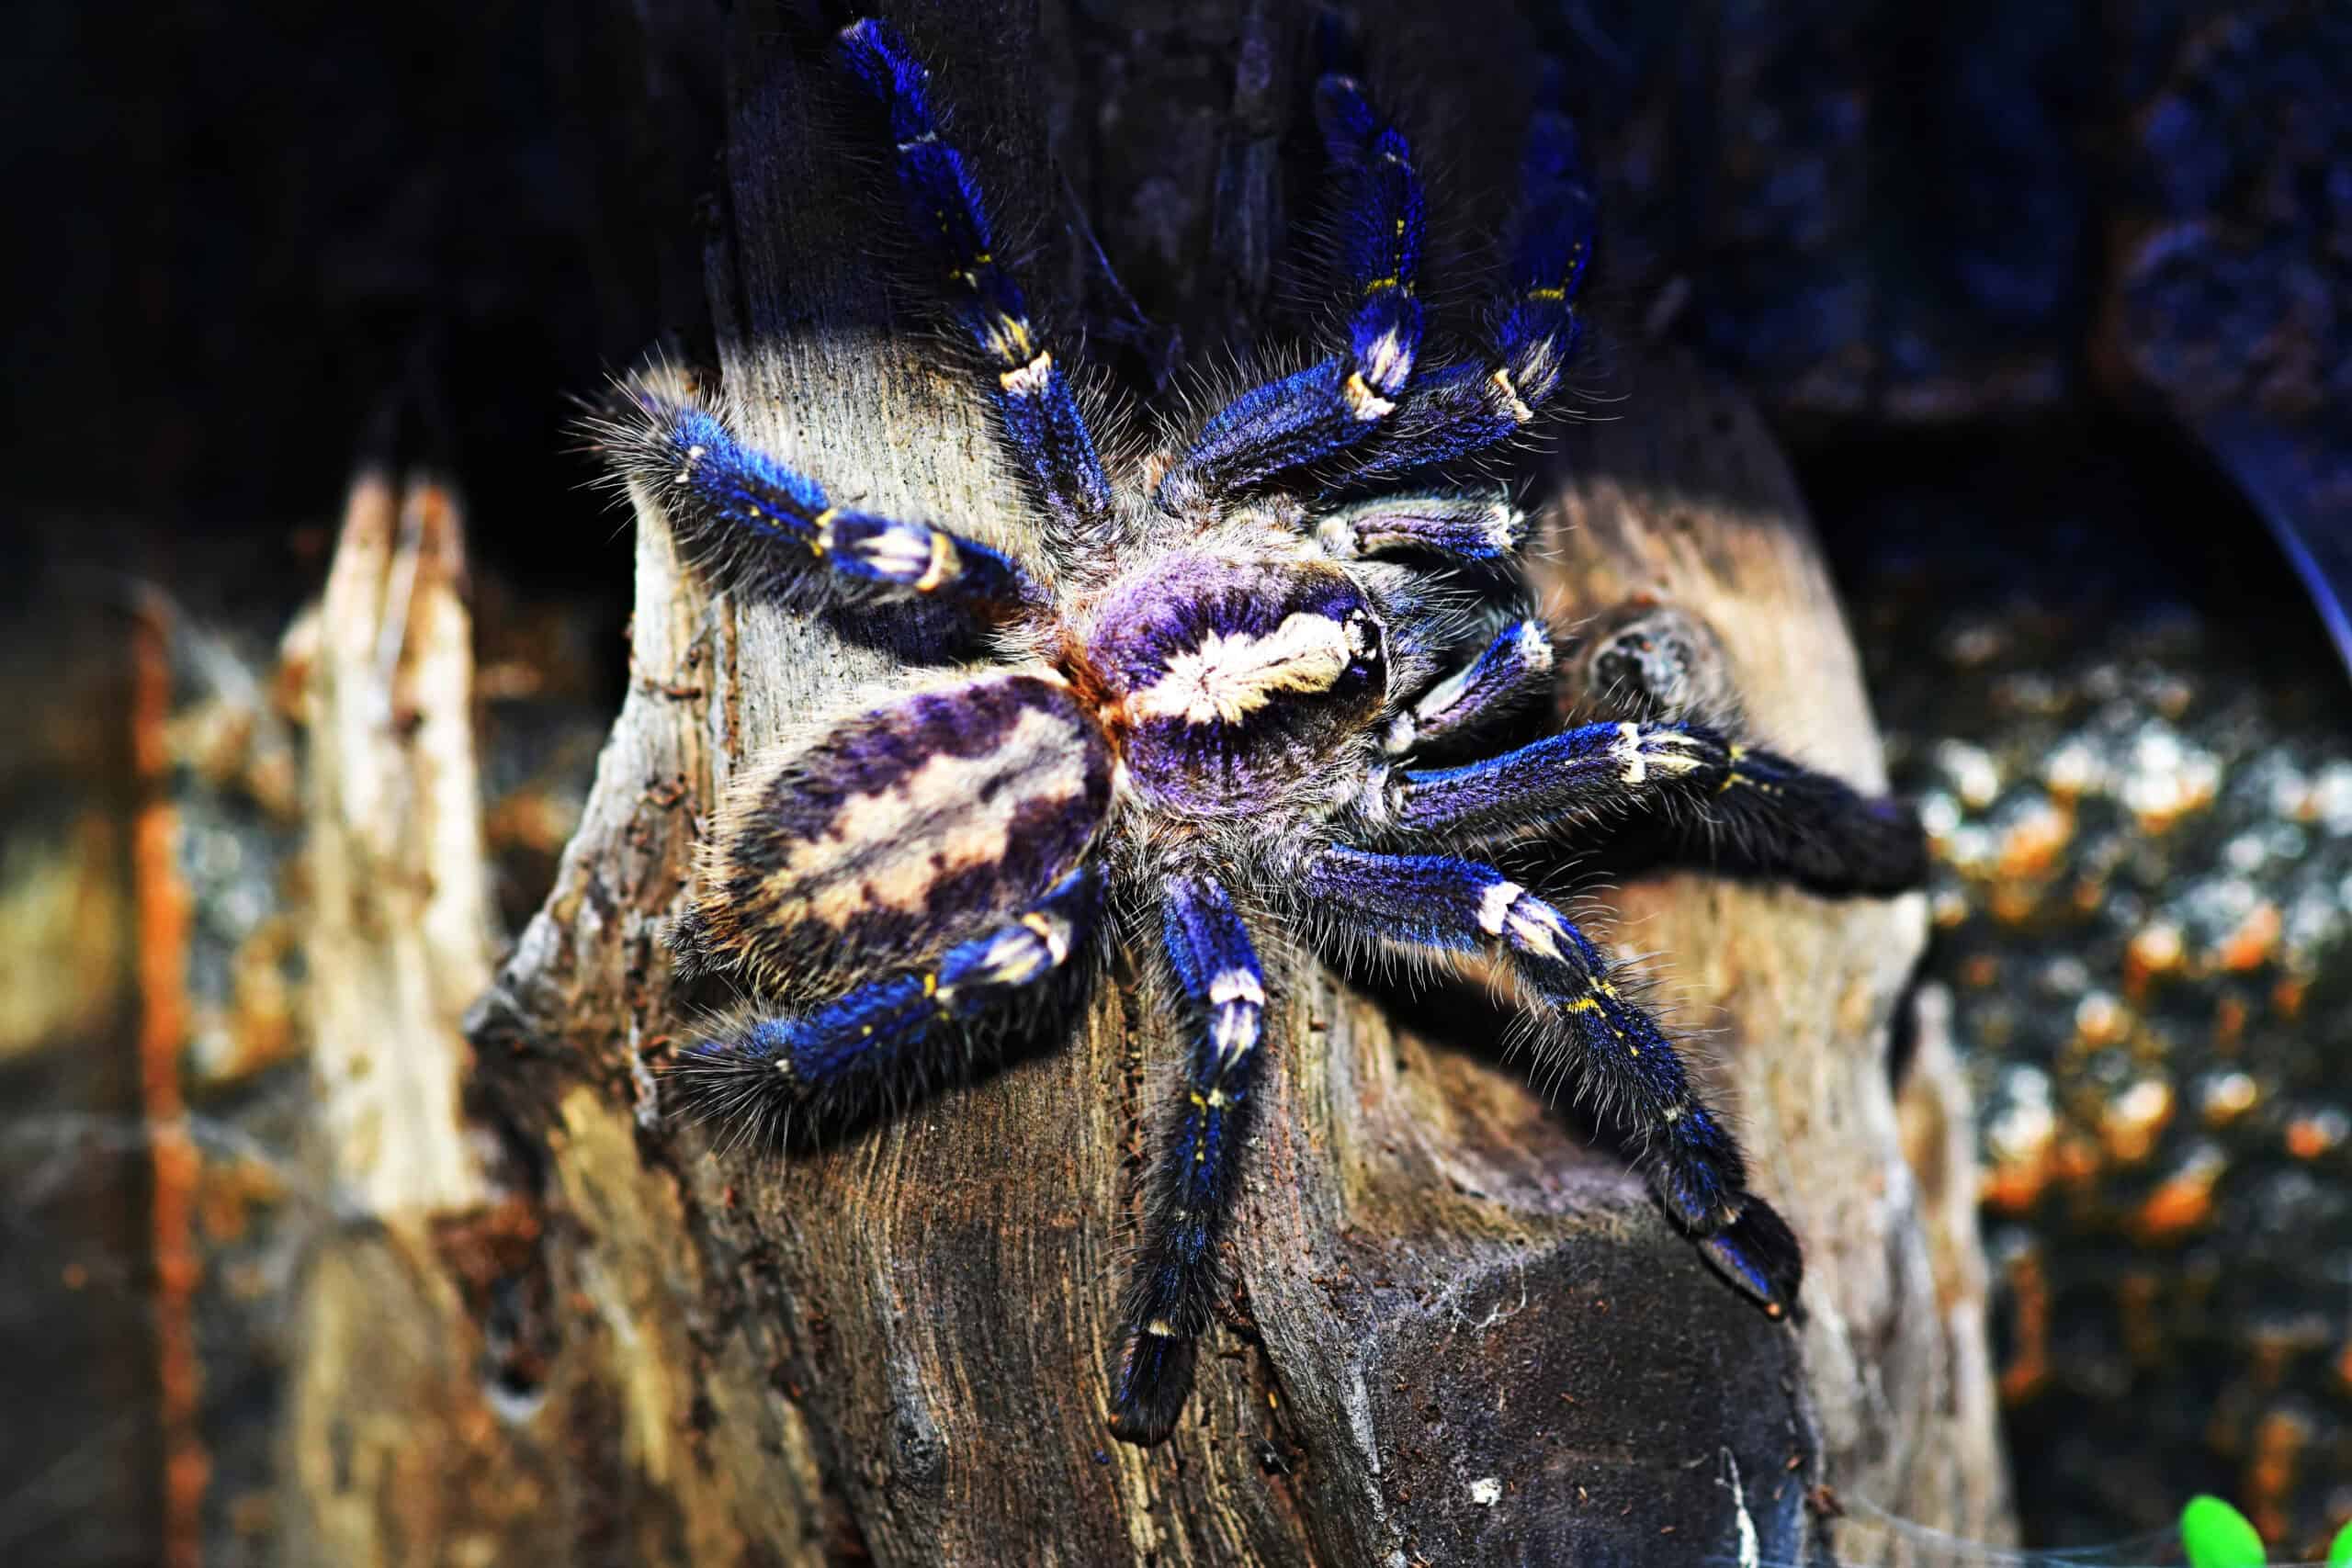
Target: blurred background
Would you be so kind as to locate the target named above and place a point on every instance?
(2049, 304)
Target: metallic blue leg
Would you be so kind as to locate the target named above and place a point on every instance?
(888, 1040)
(1755, 807)
(1514, 671)
(767, 521)
(1450, 528)
(1337, 401)
(944, 209)
(1176, 1278)
(1464, 409)
(1596, 767)
(1621, 1061)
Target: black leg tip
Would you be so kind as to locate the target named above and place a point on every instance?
(1760, 1254)
(1149, 1384)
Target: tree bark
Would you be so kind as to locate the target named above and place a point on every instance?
(1458, 1333)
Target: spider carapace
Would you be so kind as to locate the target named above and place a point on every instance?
(1244, 678)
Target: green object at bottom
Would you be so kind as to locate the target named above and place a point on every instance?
(2218, 1536)
(2339, 1550)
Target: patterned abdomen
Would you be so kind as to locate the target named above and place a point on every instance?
(899, 831)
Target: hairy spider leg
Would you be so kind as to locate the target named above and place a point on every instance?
(1175, 1282)
(945, 209)
(1454, 528)
(1619, 1056)
(1337, 400)
(886, 1038)
(720, 494)
(1464, 408)
(1593, 767)
(1774, 815)
(1778, 817)
(1512, 671)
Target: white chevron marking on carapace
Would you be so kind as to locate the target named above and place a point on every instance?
(1233, 674)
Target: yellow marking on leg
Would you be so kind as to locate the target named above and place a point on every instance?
(945, 562)
(1054, 933)
(1735, 775)
(1520, 413)
(1547, 296)
(1363, 401)
(823, 543)
(1008, 339)
(929, 984)
(1029, 379)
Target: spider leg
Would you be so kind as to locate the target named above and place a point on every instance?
(888, 1036)
(1175, 1280)
(1462, 409)
(1456, 527)
(1591, 768)
(1512, 671)
(1296, 419)
(1781, 816)
(944, 209)
(1618, 1053)
(723, 496)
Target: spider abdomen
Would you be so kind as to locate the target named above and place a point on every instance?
(899, 829)
(1232, 680)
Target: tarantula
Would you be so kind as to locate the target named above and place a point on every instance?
(1223, 668)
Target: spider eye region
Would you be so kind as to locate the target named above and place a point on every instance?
(1231, 680)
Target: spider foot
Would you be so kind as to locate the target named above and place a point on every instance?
(1758, 1254)
(1149, 1383)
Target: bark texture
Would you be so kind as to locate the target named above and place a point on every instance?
(1458, 1333)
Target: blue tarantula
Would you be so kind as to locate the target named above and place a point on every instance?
(1223, 665)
